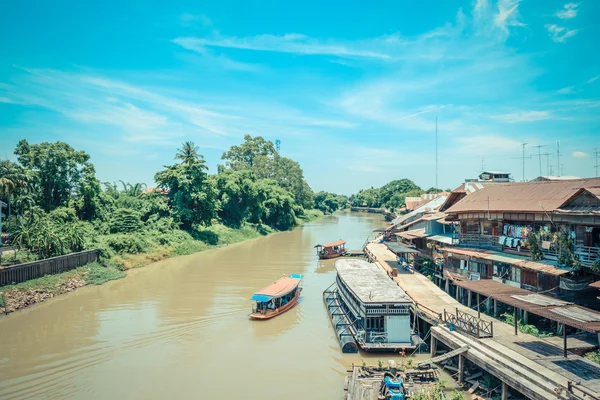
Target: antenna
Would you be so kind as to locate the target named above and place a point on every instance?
(596, 154)
(523, 157)
(278, 145)
(558, 156)
(539, 147)
(562, 169)
(547, 163)
(436, 154)
(551, 169)
(482, 165)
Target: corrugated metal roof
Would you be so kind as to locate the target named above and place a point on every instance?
(413, 234)
(522, 196)
(553, 309)
(431, 205)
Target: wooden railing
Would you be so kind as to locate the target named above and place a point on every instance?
(470, 324)
(36, 269)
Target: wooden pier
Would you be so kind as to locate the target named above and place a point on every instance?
(365, 383)
(533, 366)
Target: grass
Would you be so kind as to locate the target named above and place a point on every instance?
(593, 356)
(524, 328)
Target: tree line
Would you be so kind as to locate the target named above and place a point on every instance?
(56, 204)
(391, 195)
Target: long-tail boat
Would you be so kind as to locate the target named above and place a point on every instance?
(277, 298)
(331, 250)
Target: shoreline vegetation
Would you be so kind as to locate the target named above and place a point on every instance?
(54, 205)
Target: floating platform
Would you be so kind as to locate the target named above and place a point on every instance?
(366, 383)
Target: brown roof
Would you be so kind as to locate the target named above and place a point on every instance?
(413, 234)
(280, 287)
(595, 284)
(539, 304)
(336, 243)
(522, 196)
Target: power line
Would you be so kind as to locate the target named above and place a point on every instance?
(547, 163)
(523, 157)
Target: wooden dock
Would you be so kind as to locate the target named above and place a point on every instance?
(531, 365)
(366, 383)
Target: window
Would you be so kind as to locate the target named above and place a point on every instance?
(515, 274)
(502, 270)
(478, 267)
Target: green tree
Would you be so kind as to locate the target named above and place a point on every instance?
(191, 194)
(188, 152)
(134, 189)
(237, 193)
(274, 206)
(58, 169)
(246, 155)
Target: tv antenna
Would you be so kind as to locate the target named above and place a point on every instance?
(523, 157)
(547, 163)
(558, 156)
(278, 145)
(436, 154)
(539, 147)
(596, 154)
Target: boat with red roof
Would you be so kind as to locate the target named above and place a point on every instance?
(277, 298)
(331, 250)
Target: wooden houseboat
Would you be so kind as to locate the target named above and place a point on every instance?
(277, 298)
(368, 309)
(331, 250)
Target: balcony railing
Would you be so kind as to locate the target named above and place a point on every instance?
(587, 255)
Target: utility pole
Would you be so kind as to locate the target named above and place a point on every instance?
(551, 169)
(596, 154)
(482, 165)
(562, 169)
(539, 147)
(523, 157)
(436, 154)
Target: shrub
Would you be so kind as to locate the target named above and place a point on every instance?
(127, 243)
(125, 220)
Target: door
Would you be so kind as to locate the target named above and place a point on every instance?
(398, 328)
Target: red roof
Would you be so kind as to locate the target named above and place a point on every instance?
(336, 243)
(280, 287)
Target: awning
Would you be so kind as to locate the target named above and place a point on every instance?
(336, 243)
(278, 288)
(441, 239)
(263, 298)
(398, 248)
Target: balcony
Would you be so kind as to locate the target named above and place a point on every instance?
(587, 255)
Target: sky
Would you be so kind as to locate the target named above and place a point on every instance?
(351, 89)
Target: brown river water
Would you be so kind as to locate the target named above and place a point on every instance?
(179, 328)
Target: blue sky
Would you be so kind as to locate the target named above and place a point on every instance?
(352, 91)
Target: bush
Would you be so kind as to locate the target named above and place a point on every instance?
(96, 274)
(125, 220)
(127, 243)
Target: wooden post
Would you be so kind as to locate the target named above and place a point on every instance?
(495, 308)
(504, 391)
(565, 340)
(461, 368)
(478, 307)
(447, 285)
(516, 321)
(433, 346)
(469, 298)
(525, 317)
(457, 293)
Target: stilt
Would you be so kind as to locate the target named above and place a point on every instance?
(565, 340)
(461, 368)
(495, 307)
(478, 307)
(515, 317)
(525, 317)
(447, 285)
(469, 295)
(504, 391)
(433, 346)
(458, 293)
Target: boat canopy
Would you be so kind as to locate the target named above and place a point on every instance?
(278, 288)
(336, 243)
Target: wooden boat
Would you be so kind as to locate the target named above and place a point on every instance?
(331, 250)
(277, 298)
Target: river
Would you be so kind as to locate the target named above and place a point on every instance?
(179, 329)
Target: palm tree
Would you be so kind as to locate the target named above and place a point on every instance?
(188, 152)
(133, 190)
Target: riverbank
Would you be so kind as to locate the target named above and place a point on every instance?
(120, 253)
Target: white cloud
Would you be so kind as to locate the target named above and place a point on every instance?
(487, 144)
(569, 11)
(579, 154)
(188, 19)
(592, 80)
(508, 15)
(559, 33)
(524, 116)
(289, 43)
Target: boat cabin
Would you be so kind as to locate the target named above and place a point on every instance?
(331, 250)
(276, 298)
(367, 305)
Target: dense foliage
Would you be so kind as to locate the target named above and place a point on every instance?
(391, 195)
(57, 205)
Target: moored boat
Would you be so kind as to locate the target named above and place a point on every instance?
(277, 298)
(331, 250)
